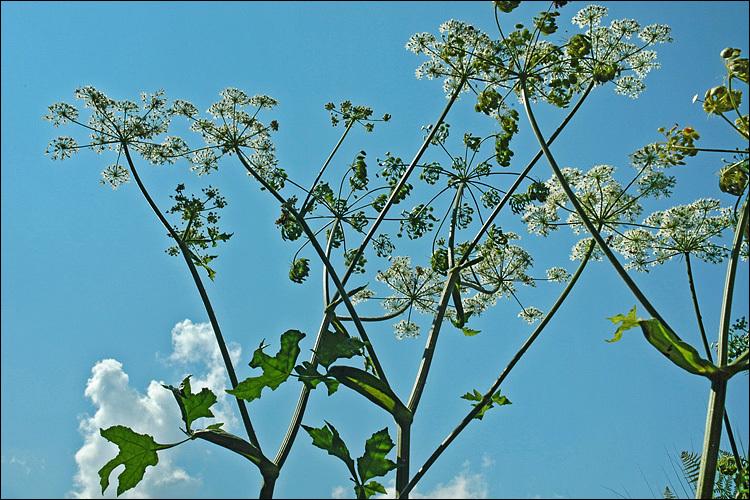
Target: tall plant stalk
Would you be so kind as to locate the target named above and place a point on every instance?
(707, 348)
(582, 213)
(496, 385)
(717, 398)
(204, 298)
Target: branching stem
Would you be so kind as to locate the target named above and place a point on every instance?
(204, 297)
(488, 395)
(717, 398)
(584, 217)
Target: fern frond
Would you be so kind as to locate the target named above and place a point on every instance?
(668, 494)
(691, 464)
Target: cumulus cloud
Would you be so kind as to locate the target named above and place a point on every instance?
(153, 413)
(194, 345)
(340, 492)
(463, 485)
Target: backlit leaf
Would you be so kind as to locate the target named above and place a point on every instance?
(373, 463)
(137, 451)
(337, 344)
(327, 438)
(495, 399)
(192, 406)
(275, 369)
(373, 389)
(628, 322)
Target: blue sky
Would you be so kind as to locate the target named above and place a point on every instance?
(94, 311)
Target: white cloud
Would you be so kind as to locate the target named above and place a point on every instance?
(195, 344)
(340, 492)
(154, 413)
(463, 485)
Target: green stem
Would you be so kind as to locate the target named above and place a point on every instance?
(429, 349)
(707, 348)
(488, 395)
(698, 316)
(325, 165)
(402, 459)
(204, 297)
(269, 483)
(404, 177)
(525, 172)
(584, 217)
(299, 411)
(717, 398)
(327, 263)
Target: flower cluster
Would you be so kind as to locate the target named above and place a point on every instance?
(501, 267)
(548, 71)
(611, 55)
(452, 56)
(680, 230)
(233, 127)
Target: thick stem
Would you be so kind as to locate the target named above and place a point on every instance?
(712, 438)
(269, 483)
(299, 411)
(488, 395)
(585, 218)
(402, 460)
(707, 349)
(429, 349)
(204, 297)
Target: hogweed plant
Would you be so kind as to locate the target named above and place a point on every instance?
(347, 219)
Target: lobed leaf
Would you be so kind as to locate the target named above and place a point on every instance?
(328, 439)
(679, 352)
(628, 322)
(192, 406)
(275, 369)
(137, 451)
(495, 399)
(373, 463)
(337, 344)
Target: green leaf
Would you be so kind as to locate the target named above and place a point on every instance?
(137, 451)
(461, 317)
(373, 463)
(680, 353)
(371, 488)
(337, 344)
(495, 399)
(328, 439)
(469, 332)
(275, 369)
(373, 389)
(237, 445)
(192, 406)
(311, 377)
(628, 322)
(508, 6)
